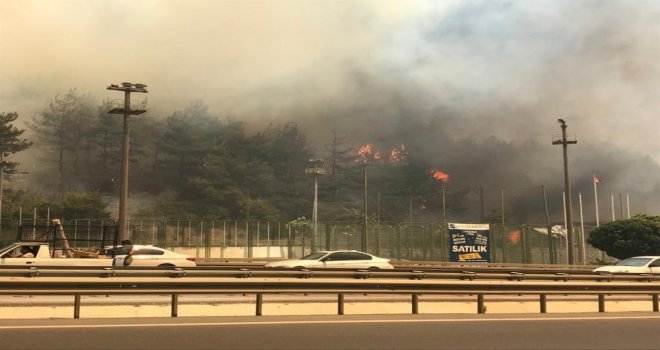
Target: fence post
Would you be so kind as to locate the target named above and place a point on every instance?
(398, 241)
(543, 301)
(248, 240)
(289, 245)
(523, 243)
(410, 236)
(480, 304)
(601, 302)
(432, 242)
(443, 252)
(76, 306)
(503, 242)
(327, 236)
(340, 304)
(415, 304)
(175, 305)
(655, 302)
(260, 300)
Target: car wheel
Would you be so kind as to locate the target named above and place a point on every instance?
(166, 266)
(374, 268)
(299, 267)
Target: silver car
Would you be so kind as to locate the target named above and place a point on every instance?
(341, 259)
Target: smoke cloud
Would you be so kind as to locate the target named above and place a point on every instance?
(468, 85)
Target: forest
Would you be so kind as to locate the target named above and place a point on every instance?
(193, 164)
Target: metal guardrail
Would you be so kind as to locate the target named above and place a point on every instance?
(175, 282)
(424, 265)
(455, 273)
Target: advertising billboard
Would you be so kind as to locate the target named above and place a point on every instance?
(469, 242)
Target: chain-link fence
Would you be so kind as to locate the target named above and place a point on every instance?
(527, 244)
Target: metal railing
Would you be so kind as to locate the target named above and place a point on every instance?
(176, 282)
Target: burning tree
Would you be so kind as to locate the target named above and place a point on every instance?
(367, 153)
(397, 154)
(443, 178)
(440, 176)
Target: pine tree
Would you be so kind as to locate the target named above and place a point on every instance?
(10, 142)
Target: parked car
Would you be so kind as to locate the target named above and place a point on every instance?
(150, 256)
(343, 259)
(638, 264)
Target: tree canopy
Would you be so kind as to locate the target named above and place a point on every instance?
(196, 163)
(11, 141)
(639, 235)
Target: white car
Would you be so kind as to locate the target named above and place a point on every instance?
(150, 256)
(343, 259)
(638, 264)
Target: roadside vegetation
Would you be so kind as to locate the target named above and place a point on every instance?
(639, 235)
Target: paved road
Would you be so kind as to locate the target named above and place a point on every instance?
(568, 331)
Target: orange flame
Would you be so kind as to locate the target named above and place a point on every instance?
(439, 175)
(514, 237)
(366, 153)
(397, 155)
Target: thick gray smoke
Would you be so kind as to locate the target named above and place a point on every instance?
(473, 86)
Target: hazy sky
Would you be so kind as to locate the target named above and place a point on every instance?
(221, 51)
(506, 69)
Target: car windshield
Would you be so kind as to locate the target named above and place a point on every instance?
(634, 262)
(314, 256)
(6, 249)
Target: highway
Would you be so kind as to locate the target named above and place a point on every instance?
(449, 331)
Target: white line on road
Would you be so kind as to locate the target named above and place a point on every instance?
(249, 323)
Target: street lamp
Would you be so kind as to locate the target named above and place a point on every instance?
(316, 170)
(126, 110)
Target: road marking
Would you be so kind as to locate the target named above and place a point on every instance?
(250, 323)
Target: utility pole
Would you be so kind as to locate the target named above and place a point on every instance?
(127, 88)
(567, 188)
(2, 175)
(363, 239)
(315, 171)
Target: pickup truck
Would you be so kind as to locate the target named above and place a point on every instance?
(41, 254)
(87, 246)
(50, 246)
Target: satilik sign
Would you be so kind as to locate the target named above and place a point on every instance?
(469, 242)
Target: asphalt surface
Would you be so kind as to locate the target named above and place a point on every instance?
(452, 331)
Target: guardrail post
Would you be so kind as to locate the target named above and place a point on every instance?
(76, 306)
(601, 302)
(543, 301)
(340, 304)
(655, 303)
(480, 304)
(175, 305)
(415, 304)
(260, 300)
